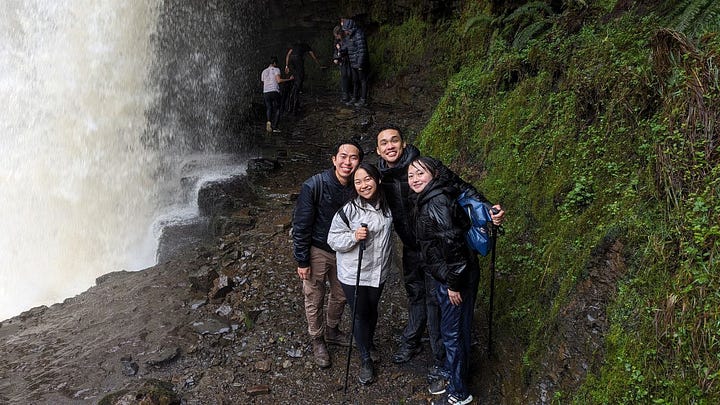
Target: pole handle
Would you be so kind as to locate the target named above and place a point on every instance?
(362, 242)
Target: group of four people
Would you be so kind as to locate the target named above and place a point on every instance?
(354, 205)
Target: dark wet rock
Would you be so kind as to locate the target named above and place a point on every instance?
(238, 223)
(176, 238)
(130, 368)
(224, 196)
(163, 357)
(202, 279)
(222, 285)
(152, 392)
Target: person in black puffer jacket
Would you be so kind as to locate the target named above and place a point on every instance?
(440, 228)
(357, 50)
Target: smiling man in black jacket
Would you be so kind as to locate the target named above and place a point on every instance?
(320, 197)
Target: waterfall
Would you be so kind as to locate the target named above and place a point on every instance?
(97, 119)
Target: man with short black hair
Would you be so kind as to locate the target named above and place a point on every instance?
(320, 197)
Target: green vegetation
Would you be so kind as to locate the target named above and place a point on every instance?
(594, 125)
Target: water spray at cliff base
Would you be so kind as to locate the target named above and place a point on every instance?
(81, 181)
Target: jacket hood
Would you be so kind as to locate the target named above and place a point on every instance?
(348, 25)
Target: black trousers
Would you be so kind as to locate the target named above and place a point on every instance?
(346, 80)
(360, 87)
(423, 308)
(366, 315)
(272, 107)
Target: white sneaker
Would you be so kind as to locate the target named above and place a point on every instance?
(454, 400)
(268, 126)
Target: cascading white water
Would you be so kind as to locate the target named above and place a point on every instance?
(90, 152)
(76, 185)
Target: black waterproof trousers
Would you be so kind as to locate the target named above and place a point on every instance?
(366, 315)
(423, 306)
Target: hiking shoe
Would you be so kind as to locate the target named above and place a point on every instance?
(455, 399)
(350, 102)
(322, 357)
(367, 372)
(405, 353)
(437, 373)
(361, 103)
(268, 126)
(337, 337)
(438, 386)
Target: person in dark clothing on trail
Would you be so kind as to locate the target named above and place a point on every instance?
(320, 197)
(341, 59)
(295, 65)
(395, 157)
(357, 50)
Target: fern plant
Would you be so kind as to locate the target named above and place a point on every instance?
(527, 21)
(693, 17)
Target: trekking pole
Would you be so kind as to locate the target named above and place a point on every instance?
(492, 233)
(355, 294)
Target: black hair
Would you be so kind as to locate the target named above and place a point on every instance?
(379, 198)
(426, 163)
(336, 148)
(394, 128)
(273, 60)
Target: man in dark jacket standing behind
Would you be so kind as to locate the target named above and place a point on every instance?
(320, 197)
(395, 156)
(357, 50)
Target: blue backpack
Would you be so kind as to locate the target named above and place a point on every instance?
(478, 236)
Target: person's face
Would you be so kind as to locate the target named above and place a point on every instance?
(346, 161)
(390, 146)
(365, 185)
(418, 177)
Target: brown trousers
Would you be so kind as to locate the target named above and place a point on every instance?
(323, 266)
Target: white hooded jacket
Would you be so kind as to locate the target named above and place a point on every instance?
(377, 257)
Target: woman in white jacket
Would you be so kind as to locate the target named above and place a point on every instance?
(368, 206)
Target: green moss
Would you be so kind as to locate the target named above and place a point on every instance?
(598, 125)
